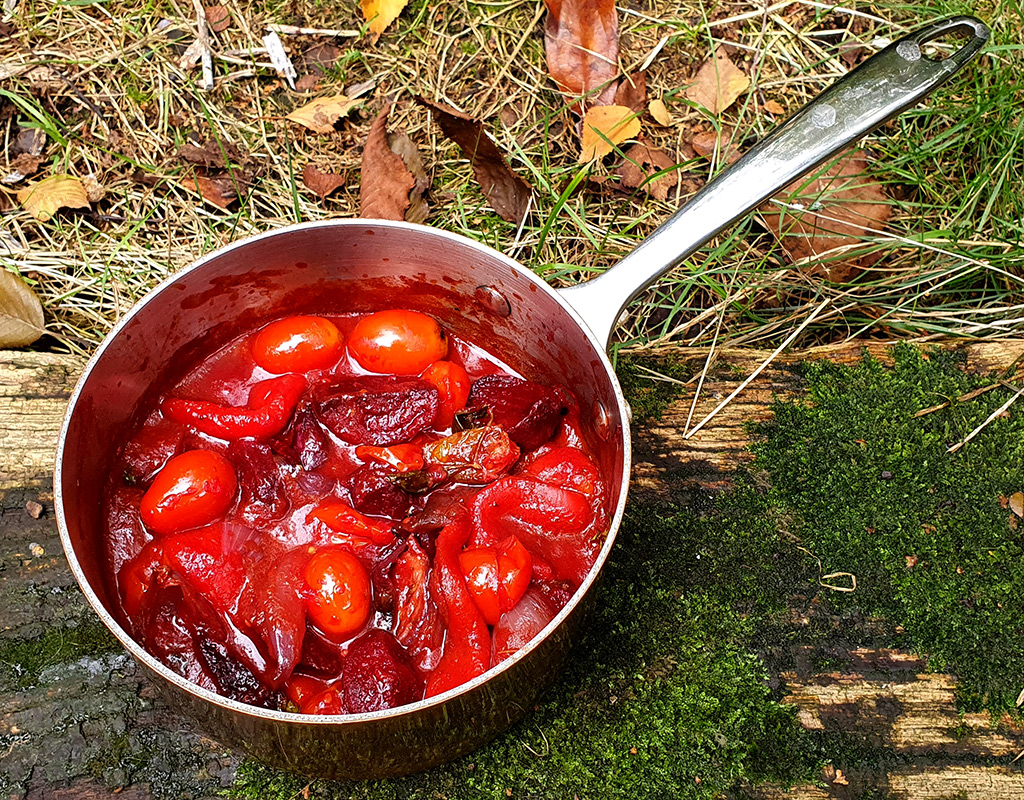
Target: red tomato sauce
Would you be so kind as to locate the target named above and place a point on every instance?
(350, 514)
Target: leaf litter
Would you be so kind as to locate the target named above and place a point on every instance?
(718, 83)
(605, 127)
(508, 194)
(21, 314)
(385, 182)
(581, 41)
(44, 199)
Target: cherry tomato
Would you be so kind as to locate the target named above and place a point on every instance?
(192, 489)
(397, 342)
(339, 601)
(297, 344)
(497, 577)
(314, 695)
(453, 383)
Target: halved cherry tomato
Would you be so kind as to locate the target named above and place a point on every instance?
(397, 342)
(192, 489)
(453, 383)
(314, 695)
(403, 457)
(297, 344)
(340, 598)
(497, 577)
(342, 518)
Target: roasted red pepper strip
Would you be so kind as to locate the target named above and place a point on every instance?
(342, 518)
(267, 412)
(403, 457)
(467, 646)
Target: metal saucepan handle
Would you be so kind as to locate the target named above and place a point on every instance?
(879, 89)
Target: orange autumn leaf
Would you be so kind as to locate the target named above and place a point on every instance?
(581, 42)
(381, 13)
(718, 83)
(604, 127)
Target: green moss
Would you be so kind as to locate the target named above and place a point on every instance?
(22, 661)
(650, 386)
(875, 493)
(696, 610)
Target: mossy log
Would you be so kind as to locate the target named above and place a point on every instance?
(78, 720)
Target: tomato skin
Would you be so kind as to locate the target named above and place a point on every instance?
(453, 383)
(340, 599)
(297, 344)
(342, 518)
(193, 489)
(497, 577)
(397, 342)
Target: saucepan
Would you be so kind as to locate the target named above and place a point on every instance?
(553, 336)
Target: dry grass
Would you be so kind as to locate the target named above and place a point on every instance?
(103, 80)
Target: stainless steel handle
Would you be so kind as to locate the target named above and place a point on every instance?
(879, 89)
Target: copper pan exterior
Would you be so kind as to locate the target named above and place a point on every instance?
(338, 267)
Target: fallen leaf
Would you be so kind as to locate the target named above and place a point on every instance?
(774, 108)
(31, 141)
(581, 41)
(21, 315)
(718, 83)
(641, 164)
(35, 510)
(218, 18)
(319, 58)
(706, 143)
(381, 13)
(42, 200)
(911, 561)
(22, 167)
(604, 127)
(840, 778)
(219, 190)
(307, 82)
(508, 194)
(212, 153)
(632, 92)
(321, 183)
(660, 112)
(828, 212)
(406, 148)
(94, 190)
(385, 182)
(320, 115)
(1017, 503)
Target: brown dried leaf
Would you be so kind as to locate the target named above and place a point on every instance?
(410, 155)
(22, 167)
(706, 142)
(31, 141)
(307, 82)
(773, 107)
(718, 83)
(218, 18)
(320, 115)
(632, 92)
(643, 162)
(1016, 501)
(604, 127)
(212, 153)
(321, 183)
(508, 194)
(21, 315)
(94, 190)
(380, 14)
(219, 190)
(581, 40)
(43, 199)
(911, 561)
(385, 182)
(319, 58)
(845, 202)
(660, 112)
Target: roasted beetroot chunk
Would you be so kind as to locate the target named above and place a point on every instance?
(529, 413)
(262, 496)
(378, 410)
(379, 674)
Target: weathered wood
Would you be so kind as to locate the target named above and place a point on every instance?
(88, 714)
